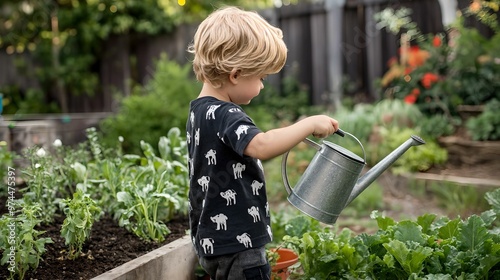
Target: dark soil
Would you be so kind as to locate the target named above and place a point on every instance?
(109, 246)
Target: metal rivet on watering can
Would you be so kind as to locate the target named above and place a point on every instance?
(332, 181)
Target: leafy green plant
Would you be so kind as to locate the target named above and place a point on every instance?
(41, 183)
(425, 248)
(419, 158)
(156, 190)
(364, 120)
(290, 222)
(21, 241)
(486, 126)
(437, 72)
(81, 212)
(460, 199)
(153, 109)
(141, 213)
(438, 125)
(143, 192)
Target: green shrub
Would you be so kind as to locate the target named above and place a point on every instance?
(436, 126)
(460, 199)
(152, 110)
(363, 118)
(486, 126)
(419, 158)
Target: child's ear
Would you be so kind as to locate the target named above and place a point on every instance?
(234, 75)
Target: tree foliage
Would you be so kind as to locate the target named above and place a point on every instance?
(65, 37)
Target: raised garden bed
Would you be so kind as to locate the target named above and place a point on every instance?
(176, 260)
(109, 247)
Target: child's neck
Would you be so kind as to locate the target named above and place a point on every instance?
(209, 90)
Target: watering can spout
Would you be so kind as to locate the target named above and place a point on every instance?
(370, 176)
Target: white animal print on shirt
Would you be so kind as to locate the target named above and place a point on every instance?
(191, 167)
(241, 129)
(267, 209)
(230, 196)
(238, 168)
(211, 112)
(220, 220)
(256, 186)
(254, 212)
(197, 137)
(210, 155)
(188, 137)
(270, 232)
(208, 245)
(191, 118)
(203, 182)
(234, 110)
(245, 240)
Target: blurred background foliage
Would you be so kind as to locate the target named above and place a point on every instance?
(65, 38)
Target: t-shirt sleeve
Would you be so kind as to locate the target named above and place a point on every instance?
(238, 129)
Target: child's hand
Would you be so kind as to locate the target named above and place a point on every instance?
(323, 125)
(274, 142)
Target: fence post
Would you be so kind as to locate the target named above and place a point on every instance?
(334, 18)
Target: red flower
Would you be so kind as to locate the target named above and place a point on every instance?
(436, 42)
(428, 79)
(410, 99)
(417, 57)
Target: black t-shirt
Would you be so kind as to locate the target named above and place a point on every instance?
(228, 210)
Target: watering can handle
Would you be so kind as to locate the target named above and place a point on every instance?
(359, 142)
(340, 132)
(284, 173)
(310, 143)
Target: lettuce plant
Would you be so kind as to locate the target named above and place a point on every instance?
(425, 248)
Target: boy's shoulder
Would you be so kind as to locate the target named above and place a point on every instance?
(212, 104)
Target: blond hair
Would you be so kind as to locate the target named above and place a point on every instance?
(232, 39)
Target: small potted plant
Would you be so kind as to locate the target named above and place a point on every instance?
(280, 260)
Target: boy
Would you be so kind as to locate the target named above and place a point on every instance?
(234, 50)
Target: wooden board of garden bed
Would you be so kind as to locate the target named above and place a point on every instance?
(109, 246)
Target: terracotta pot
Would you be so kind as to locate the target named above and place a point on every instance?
(286, 258)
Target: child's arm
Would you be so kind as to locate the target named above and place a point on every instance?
(267, 145)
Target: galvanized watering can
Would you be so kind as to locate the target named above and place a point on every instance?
(332, 179)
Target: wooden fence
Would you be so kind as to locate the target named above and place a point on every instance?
(328, 42)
